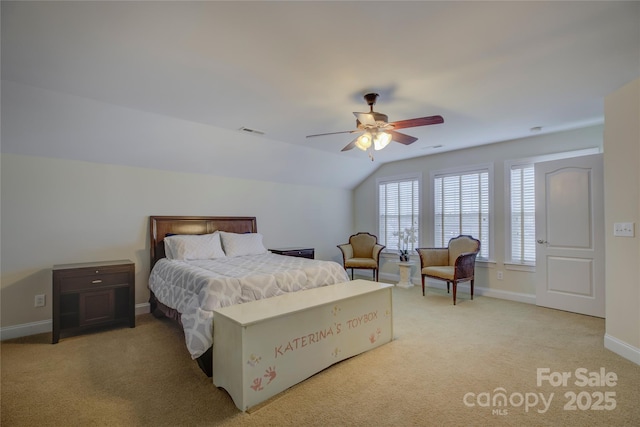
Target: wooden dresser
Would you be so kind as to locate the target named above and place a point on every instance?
(299, 252)
(93, 294)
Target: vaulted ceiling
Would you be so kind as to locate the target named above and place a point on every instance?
(493, 70)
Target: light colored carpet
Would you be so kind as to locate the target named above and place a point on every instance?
(441, 353)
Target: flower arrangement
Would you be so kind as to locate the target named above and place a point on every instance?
(405, 238)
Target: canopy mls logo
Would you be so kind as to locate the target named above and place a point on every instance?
(499, 401)
(594, 398)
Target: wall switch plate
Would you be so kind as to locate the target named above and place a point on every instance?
(624, 229)
(500, 276)
(39, 300)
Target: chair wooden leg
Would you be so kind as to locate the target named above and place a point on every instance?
(448, 287)
(375, 275)
(471, 289)
(352, 274)
(422, 285)
(455, 288)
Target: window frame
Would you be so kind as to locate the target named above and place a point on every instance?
(461, 170)
(417, 176)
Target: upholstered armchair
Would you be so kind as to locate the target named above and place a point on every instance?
(362, 252)
(453, 264)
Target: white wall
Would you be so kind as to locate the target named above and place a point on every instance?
(66, 211)
(39, 122)
(622, 204)
(516, 285)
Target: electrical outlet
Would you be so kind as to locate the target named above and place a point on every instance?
(623, 229)
(39, 300)
(500, 275)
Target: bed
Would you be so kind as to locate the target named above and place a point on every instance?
(199, 264)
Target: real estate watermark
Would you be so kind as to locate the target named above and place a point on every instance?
(593, 393)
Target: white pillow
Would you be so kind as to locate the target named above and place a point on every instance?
(193, 246)
(236, 244)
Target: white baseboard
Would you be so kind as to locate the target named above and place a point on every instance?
(143, 308)
(508, 295)
(621, 348)
(44, 326)
(478, 290)
(26, 329)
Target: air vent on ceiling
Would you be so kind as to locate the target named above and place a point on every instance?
(249, 130)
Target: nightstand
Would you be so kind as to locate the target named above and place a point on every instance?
(298, 252)
(92, 294)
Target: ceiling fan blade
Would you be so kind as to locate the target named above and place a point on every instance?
(367, 119)
(350, 145)
(420, 121)
(402, 138)
(333, 133)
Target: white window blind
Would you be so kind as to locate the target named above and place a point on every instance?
(523, 210)
(399, 208)
(461, 206)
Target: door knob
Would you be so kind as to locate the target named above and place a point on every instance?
(541, 241)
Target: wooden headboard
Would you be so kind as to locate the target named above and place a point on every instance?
(163, 225)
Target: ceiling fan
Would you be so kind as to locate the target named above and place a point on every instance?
(376, 130)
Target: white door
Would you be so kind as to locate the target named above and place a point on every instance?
(570, 235)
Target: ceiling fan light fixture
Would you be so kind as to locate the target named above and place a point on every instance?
(364, 141)
(381, 140)
(378, 132)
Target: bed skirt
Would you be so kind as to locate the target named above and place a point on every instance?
(159, 310)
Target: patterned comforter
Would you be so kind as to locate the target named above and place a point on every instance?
(196, 288)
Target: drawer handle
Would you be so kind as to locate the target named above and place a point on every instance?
(96, 281)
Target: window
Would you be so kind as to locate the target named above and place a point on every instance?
(523, 215)
(461, 206)
(399, 213)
